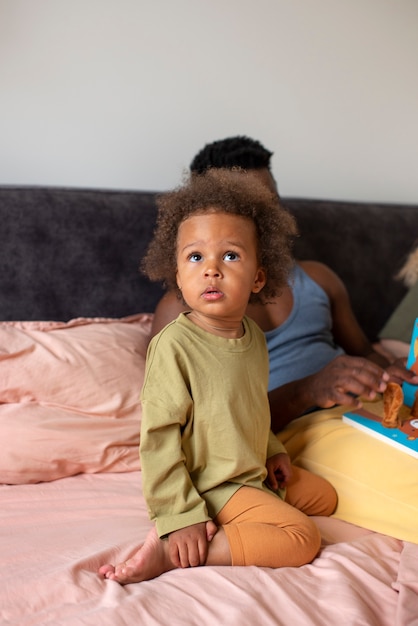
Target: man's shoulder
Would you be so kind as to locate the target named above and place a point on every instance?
(316, 269)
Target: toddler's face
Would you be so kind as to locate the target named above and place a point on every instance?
(217, 265)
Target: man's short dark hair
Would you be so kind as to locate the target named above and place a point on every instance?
(239, 151)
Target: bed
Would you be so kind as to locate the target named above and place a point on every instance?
(76, 317)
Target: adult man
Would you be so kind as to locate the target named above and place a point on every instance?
(319, 356)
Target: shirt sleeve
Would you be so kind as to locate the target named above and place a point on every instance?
(274, 446)
(172, 499)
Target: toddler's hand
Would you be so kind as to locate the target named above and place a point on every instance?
(188, 547)
(279, 471)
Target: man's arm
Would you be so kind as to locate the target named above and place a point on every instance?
(342, 381)
(345, 328)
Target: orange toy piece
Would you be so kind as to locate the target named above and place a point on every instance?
(414, 409)
(392, 402)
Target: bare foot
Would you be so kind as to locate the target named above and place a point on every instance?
(148, 562)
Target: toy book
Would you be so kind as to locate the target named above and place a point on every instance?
(409, 390)
(404, 437)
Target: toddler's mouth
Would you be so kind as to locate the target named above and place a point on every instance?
(211, 293)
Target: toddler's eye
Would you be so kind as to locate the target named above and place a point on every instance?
(231, 256)
(195, 257)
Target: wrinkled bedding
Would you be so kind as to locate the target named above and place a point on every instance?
(54, 536)
(70, 493)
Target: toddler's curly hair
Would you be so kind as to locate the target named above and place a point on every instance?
(224, 191)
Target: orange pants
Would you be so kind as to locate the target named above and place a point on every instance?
(263, 530)
(310, 493)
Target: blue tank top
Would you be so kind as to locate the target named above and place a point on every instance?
(303, 344)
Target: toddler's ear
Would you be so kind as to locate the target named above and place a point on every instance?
(259, 280)
(178, 280)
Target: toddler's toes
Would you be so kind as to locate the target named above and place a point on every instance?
(105, 570)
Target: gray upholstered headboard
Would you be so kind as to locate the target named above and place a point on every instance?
(366, 244)
(68, 253)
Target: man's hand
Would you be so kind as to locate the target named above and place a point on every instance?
(398, 373)
(344, 380)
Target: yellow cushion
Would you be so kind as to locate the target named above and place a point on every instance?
(377, 484)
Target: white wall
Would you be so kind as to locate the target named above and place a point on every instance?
(122, 93)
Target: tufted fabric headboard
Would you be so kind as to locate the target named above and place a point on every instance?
(68, 253)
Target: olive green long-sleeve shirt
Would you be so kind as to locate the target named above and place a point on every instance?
(205, 421)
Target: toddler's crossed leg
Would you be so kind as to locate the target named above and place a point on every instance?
(263, 530)
(310, 493)
(255, 528)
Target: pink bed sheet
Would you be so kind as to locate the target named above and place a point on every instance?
(54, 536)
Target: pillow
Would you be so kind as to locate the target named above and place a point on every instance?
(69, 395)
(376, 483)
